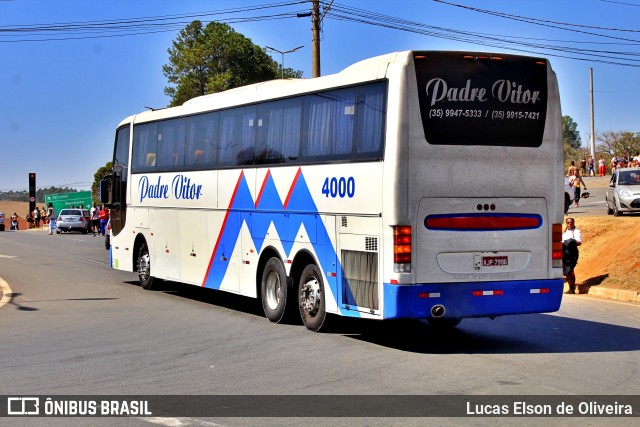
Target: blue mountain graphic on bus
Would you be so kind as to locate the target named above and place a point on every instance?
(299, 209)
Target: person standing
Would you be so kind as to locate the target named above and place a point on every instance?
(51, 216)
(591, 165)
(602, 171)
(583, 166)
(577, 183)
(571, 239)
(95, 219)
(572, 169)
(104, 218)
(36, 216)
(15, 225)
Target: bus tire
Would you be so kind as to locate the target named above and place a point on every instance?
(144, 267)
(274, 290)
(311, 300)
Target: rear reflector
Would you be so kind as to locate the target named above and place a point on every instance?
(487, 293)
(483, 222)
(540, 291)
(429, 295)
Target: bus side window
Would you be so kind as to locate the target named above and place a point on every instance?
(145, 147)
(201, 147)
(329, 123)
(278, 137)
(237, 135)
(370, 119)
(171, 144)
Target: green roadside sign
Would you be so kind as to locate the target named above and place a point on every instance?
(67, 200)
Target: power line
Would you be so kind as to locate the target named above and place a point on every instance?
(501, 42)
(135, 26)
(332, 10)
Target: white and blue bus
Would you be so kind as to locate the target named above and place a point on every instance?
(417, 184)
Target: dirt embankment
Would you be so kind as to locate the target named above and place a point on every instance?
(609, 255)
(610, 252)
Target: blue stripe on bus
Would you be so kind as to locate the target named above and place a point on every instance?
(298, 209)
(459, 301)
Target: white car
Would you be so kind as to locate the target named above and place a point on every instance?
(623, 193)
(73, 219)
(569, 194)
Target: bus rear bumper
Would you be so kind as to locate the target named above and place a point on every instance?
(478, 299)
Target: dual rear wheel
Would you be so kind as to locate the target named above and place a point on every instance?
(279, 295)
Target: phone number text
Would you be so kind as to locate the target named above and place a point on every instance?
(443, 113)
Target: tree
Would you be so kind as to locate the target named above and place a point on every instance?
(570, 138)
(97, 177)
(215, 58)
(619, 143)
(570, 132)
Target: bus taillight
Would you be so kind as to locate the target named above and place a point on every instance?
(556, 246)
(402, 249)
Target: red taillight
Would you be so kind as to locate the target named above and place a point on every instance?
(402, 249)
(556, 245)
(483, 222)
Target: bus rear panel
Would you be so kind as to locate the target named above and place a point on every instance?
(483, 177)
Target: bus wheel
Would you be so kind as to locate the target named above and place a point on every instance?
(274, 290)
(443, 323)
(144, 267)
(311, 298)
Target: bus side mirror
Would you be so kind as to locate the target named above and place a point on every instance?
(104, 191)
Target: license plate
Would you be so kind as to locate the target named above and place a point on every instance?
(495, 261)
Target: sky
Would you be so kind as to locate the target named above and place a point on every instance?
(63, 90)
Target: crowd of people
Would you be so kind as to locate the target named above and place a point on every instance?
(41, 218)
(99, 216)
(588, 166)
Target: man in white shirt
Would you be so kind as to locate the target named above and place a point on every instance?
(571, 239)
(51, 215)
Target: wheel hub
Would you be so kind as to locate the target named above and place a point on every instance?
(273, 290)
(310, 296)
(143, 266)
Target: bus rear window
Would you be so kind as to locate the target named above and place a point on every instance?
(482, 99)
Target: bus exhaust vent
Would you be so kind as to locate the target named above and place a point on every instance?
(344, 222)
(371, 244)
(360, 279)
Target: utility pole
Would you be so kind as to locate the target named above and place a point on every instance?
(593, 136)
(315, 38)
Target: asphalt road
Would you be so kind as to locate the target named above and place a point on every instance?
(76, 327)
(595, 205)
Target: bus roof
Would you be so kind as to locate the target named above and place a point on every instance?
(366, 70)
(370, 69)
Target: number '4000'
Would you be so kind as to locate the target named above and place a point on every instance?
(339, 187)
